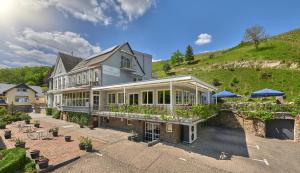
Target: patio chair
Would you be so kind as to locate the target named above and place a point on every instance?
(32, 135)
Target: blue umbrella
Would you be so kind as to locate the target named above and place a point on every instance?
(266, 93)
(225, 93)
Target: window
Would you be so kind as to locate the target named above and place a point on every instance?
(163, 97)
(76, 99)
(111, 98)
(133, 99)
(135, 79)
(147, 97)
(169, 128)
(125, 62)
(21, 99)
(21, 89)
(84, 78)
(129, 122)
(120, 98)
(178, 97)
(185, 97)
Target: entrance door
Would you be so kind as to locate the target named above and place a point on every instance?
(133, 99)
(152, 131)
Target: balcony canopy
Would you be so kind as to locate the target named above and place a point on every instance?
(266, 93)
(188, 80)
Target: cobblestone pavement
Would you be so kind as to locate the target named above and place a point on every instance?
(245, 153)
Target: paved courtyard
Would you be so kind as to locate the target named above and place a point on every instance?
(114, 153)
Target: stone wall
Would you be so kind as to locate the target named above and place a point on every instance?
(297, 129)
(231, 119)
(171, 137)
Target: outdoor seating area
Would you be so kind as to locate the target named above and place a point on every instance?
(45, 143)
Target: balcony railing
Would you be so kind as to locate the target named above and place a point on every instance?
(184, 114)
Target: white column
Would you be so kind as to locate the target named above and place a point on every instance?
(91, 100)
(171, 96)
(124, 95)
(208, 97)
(196, 95)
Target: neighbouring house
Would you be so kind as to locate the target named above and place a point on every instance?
(22, 96)
(116, 88)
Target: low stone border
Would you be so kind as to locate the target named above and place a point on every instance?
(152, 143)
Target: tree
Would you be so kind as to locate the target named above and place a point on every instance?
(177, 58)
(255, 34)
(189, 55)
(166, 68)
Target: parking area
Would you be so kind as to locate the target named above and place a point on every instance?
(239, 152)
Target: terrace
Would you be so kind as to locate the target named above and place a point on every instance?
(182, 100)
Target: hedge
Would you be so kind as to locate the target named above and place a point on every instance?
(79, 118)
(56, 113)
(12, 160)
(49, 111)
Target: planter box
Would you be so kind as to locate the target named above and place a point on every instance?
(20, 145)
(68, 138)
(34, 154)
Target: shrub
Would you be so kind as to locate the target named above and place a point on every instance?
(29, 166)
(13, 160)
(262, 115)
(79, 118)
(49, 111)
(3, 111)
(56, 113)
(297, 101)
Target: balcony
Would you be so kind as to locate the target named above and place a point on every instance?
(83, 109)
(159, 113)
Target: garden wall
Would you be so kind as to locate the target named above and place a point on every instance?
(297, 129)
(229, 119)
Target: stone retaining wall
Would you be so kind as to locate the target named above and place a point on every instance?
(297, 129)
(231, 119)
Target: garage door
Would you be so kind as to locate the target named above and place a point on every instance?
(280, 129)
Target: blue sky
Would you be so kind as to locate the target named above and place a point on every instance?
(32, 32)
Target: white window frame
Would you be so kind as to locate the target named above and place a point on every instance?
(133, 97)
(153, 93)
(180, 96)
(164, 90)
(121, 97)
(109, 97)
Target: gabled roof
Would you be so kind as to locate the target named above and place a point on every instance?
(69, 61)
(97, 58)
(5, 87)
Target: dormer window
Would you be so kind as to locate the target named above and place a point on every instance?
(21, 89)
(125, 62)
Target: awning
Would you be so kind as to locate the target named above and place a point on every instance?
(266, 93)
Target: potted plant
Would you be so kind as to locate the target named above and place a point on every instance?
(19, 143)
(43, 162)
(82, 143)
(68, 138)
(91, 126)
(88, 145)
(34, 154)
(2, 125)
(27, 119)
(7, 134)
(54, 131)
(36, 123)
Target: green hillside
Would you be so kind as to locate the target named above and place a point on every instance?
(243, 69)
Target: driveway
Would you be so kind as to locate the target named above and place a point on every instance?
(245, 153)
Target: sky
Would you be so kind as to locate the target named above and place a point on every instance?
(33, 31)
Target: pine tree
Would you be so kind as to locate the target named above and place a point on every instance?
(189, 55)
(166, 68)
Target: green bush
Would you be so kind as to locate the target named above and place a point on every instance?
(56, 113)
(29, 166)
(12, 160)
(297, 101)
(49, 111)
(3, 111)
(79, 118)
(262, 115)
(20, 116)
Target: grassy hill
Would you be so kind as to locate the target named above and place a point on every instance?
(243, 69)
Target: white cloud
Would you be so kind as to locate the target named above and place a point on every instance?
(93, 11)
(62, 41)
(135, 8)
(203, 38)
(33, 55)
(156, 60)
